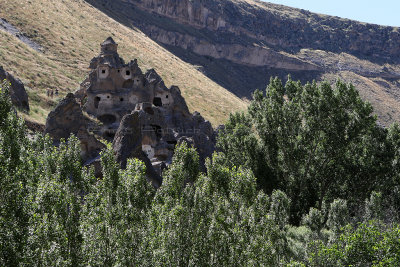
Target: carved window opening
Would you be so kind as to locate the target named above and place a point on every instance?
(121, 99)
(108, 135)
(96, 101)
(103, 71)
(128, 72)
(157, 102)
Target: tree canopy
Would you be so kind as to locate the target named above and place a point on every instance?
(305, 177)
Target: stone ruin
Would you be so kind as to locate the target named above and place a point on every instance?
(135, 111)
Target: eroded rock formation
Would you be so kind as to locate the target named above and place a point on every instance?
(136, 111)
(66, 119)
(18, 94)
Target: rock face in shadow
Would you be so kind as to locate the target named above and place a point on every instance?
(66, 119)
(134, 110)
(128, 144)
(18, 94)
(276, 26)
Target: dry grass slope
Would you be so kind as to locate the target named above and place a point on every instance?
(71, 31)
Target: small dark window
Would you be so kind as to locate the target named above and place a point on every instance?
(119, 71)
(108, 96)
(121, 99)
(137, 81)
(96, 101)
(157, 102)
(103, 71)
(128, 72)
(166, 96)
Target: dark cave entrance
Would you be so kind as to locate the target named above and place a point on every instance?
(157, 102)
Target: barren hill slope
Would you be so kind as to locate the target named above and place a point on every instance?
(241, 43)
(70, 32)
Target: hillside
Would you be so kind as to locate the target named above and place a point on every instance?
(241, 43)
(69, 34)
(217, 52)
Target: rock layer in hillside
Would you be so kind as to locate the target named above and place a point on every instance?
(240, 44)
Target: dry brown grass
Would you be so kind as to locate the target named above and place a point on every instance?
(71, 31)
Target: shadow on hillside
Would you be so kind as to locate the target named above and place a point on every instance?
(239, 79)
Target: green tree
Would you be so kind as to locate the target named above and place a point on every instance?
(55, 210)
(317, 143)
(370, 244)
(114, 215)
(241, 148)
(14, 185)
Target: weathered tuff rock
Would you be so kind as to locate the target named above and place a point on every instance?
(18, 94)
(136, 111)
(66, 119)
(128, 144)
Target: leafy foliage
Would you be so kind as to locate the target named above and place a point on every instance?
(301, 152)
(316, 143)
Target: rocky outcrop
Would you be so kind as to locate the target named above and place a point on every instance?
(278, 26)
(66, 119)
(6, 26)
(18, 94)
(238, 53)
(136, 111)
(128, 144)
